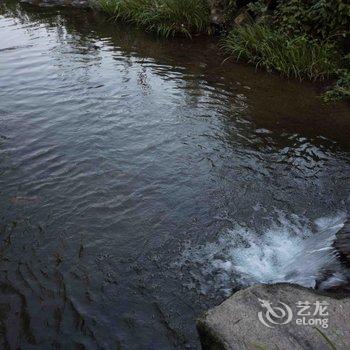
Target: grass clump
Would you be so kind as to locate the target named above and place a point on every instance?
(165, 17)
(271, 49)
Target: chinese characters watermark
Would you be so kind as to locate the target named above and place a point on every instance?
(307, 313)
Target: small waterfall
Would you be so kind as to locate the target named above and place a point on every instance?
(291, 250)
(308, 260)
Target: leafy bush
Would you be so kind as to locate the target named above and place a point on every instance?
(229, 9)
(291, 56)
(166, 17)
(258, 8)
(322, 19)
(341, 89)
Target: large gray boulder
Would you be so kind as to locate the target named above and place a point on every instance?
(245, 321)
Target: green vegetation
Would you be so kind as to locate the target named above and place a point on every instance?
(320, 19)
(291, 56)
(166, 17)
(297, 38)
(341, 89)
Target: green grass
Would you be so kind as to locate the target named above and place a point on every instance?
(292, 57)
(165, 17)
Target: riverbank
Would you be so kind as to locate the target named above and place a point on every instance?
(262, 33)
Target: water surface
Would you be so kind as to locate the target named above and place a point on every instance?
(119, 152)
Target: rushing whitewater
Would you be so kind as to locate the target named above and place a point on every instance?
(292, 249)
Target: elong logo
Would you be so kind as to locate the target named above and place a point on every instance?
(275, 315)
(308, 314)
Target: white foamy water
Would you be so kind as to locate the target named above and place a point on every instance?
(292, 249)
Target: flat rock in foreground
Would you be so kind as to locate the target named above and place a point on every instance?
(279, 316)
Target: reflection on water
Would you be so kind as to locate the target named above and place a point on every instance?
(117, 149)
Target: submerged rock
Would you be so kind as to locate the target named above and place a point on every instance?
(217, 8)
(282, 316)
(242, 19)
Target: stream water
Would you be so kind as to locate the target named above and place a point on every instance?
(144, 180)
